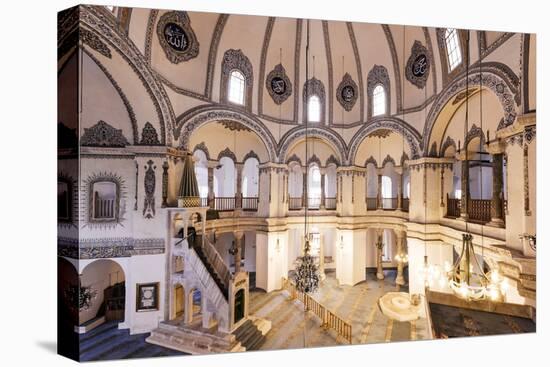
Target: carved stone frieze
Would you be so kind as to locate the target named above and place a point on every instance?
(103, 135)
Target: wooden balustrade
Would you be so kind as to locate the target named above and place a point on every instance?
(224, 203)
(204, 202)
(479, 210)
(295, 203)
(314, 203)
(329, 319)
(216, 261)
(389, 203)
(453, 207)
(104, 208)
(250, 203)
(330, 203)
(406, 202)
(372, 203)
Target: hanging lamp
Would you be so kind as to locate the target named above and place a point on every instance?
(306, 276)
(467, 278)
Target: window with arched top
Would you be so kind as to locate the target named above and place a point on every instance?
(452, 44)
(378, 100)
(314, 187)
(201, 172)
(236, 87)
(314, 109)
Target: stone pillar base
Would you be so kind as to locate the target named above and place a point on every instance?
(496, 222)
(399, 280)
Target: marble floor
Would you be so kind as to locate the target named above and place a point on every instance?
(355, 304)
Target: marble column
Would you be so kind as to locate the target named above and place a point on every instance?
(465, 188)
(399, 280)
(323, 196)
(379, 247)
(379, 192)
(497, 217)
(239, 191)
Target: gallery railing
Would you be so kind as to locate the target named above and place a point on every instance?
(389, 203)
(250, 203)
(330, 203)
(314, 203)
(406, 202)
(329, 320)
(453, 207)
(295, 203)
(224, 203)
(479, 210)
(372, 203)
(204, 202)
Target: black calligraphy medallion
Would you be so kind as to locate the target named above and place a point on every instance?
(175, 37)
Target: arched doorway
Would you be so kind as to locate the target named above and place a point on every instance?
(239, 305)
(179, 300)
(103, 285)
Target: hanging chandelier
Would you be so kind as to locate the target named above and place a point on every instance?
(467, 277)
(306, 275)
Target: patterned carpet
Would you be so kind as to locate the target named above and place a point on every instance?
(107, 342)
(454, 322)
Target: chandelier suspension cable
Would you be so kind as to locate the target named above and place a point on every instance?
(305, 186)
(482, 161)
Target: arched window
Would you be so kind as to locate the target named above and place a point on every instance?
(225, 178)
(250, 178)
(236, 87)
(386, 192)
(314, 187)
(378, 100)
(63, 201)
(454, 54)
(104, 200)
(314, 109)
(201, 172)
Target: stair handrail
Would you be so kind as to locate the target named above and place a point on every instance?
(216, 261)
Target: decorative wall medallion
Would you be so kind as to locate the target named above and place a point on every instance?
(347, 92)
(149, 135)
(234, 125)
(418, 65)
(149, 186)
(103, 135)
(177, 37)
(278, 84)
(378, 75)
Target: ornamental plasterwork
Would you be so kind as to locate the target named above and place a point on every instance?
(332, 160)
(387, 160)
(474, 132)
(278, 84)
(418, 65)
(433, 150)
(233, 125)
(103, 135)
(149, 135)
(202, 147)
(251, 154)
(176, 37)
(92, 19)
(462, 95)
(378, 75)
(101, 248)
(88, 197)
(314, 159)
(94, 42)
(294, 158)
(347, 92)
(149, 182)
(236, 60)
(314, 87)
(449, 142)
(371, 160)
(227, 153)
(312, 132)
(495, 77)
(380, 133)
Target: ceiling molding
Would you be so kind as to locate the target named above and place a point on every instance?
(263, 56)
(213, 53)
(353, 41)
(395, 62)
(330, 94)
(428, 40)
